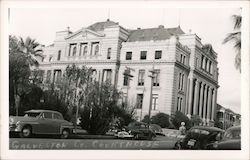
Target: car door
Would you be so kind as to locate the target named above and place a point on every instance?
(57, 122)
(46, 123)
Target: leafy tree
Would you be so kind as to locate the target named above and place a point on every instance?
(180, 117)
(99, 111)
(161, 119)
(235, 37)
(195, 120)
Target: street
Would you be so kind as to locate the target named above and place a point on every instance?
(159, 142)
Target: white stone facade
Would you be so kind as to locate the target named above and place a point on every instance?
(187, 73)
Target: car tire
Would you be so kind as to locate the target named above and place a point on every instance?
(177, 146)
(26, 132)
(65, 134)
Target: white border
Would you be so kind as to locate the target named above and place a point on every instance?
(124, 154)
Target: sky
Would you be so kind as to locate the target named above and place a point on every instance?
(210, 24)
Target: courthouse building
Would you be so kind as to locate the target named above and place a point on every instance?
(185, 70)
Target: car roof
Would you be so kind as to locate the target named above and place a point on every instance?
(40, 110)
(208, 128)
(234, 128)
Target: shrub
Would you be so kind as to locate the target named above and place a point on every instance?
(161, 119)
(180, 117)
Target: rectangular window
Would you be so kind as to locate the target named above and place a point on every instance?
(129, 56)
(109, 53)
(139, 101)
(202, 61)
(184, 59)
(155, 98)
(181, 58)
(141, 77)
(58, 75)
(182, 82)
(179, 84)
(143, 55)
(109, 74)
(156, 79)
(158, 54)
(125, 80)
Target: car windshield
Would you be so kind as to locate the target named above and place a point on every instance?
(232, 134)
(32, 114)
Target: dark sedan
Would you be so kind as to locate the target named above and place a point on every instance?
(140, 130)
(199, 137)
(231, 139)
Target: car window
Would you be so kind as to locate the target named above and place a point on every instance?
(57, 116)
(31, 114)
(47, 115)
(232, 134)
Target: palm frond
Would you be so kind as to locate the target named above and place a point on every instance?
(237, 21)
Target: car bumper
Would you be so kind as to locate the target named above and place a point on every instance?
(14, 128)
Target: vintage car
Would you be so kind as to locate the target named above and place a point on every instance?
(140, 130)
(40, 122)
(199, 137)
(231, 140)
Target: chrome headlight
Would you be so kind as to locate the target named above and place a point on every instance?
(17, 123)
(11, 120)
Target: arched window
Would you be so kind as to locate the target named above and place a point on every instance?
(96, 49)
(74, 51)
(59, 55)
(85, 50)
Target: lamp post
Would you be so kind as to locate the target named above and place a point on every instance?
(127, 74)
(151, 90)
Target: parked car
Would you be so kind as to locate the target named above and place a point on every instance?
(140, 130)
(199, 137)
(157, 129)
(231, 140)
(40, 122)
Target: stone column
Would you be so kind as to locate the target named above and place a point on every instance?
(196, 96)
(201, 100)
(205, 102)
(190, 97)
(187, 97)
(209, 103)
(213, 104)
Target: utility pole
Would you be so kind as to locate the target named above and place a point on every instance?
(127, 74)
(151, 90)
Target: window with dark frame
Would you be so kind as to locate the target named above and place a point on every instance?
(139, 101)
(155, 98)
(158, 54)
(128, 55)
(156, 78)
(109, 53)
(59, 55)
(125, 80)
(143, 55)
(141, 77)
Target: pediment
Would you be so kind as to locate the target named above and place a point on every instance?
(84, 34)
(208, 49)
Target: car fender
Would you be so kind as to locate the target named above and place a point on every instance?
(66, 126)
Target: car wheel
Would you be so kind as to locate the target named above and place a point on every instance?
(26, 132)
(65, 134)
(177, 146)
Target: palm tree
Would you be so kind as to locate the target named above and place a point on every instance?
(235, 38)
(30, 48)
